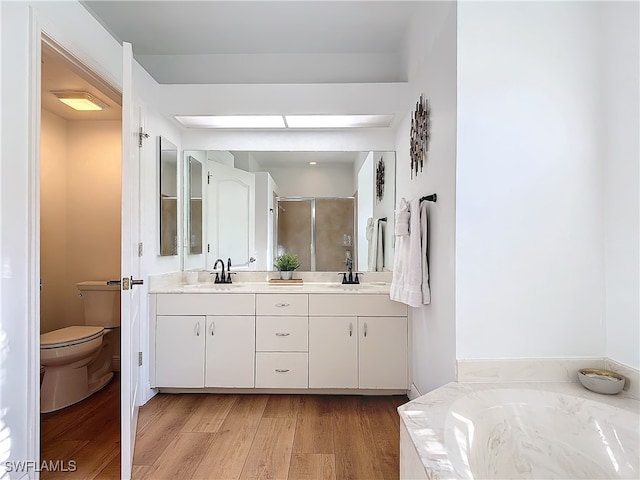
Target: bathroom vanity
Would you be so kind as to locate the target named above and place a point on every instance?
(315, 337)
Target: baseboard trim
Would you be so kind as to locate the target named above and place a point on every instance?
(413, 392)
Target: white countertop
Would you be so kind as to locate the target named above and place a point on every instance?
(369, 288)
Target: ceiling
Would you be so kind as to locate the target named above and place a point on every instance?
(247, 42)
(269, 160)
(60, 73)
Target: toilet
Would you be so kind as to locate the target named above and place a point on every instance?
(77, 360)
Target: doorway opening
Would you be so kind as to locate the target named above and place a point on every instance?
(80, 251)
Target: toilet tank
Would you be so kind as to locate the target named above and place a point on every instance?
(101, 303)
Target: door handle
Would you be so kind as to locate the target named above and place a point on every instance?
(136, 282)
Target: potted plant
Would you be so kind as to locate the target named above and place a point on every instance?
(287, 263)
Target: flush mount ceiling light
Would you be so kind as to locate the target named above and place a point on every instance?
(313, 163)
(231, 121)
(338, 121)
(82, 101)
(285, 121)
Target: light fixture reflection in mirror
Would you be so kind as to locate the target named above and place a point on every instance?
(168, 182)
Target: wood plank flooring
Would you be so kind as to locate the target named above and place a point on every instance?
(219, 437)
(87, 433)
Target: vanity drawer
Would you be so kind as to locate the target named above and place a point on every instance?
(282, 304)
(345, 305)
(282, 334)
(205, 304)
(282, 370)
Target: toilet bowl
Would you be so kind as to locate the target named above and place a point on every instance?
(77, 360)
(65, 355)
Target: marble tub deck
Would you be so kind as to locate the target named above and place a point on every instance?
(443, 431)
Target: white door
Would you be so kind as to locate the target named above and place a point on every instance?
(231, 209)
(131, 297)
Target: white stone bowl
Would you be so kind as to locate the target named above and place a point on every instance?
(601, 381)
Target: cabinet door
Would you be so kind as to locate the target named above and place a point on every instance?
(333, 352)
(180, 344)
(230, 351)
(382, 357)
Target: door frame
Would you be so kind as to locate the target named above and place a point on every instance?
(37, 35)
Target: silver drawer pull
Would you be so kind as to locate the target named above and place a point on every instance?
(350, 328)
(279, 334)
(280, 305)
(282, 370)
(197, 329)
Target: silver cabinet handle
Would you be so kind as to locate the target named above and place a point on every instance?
(365, 329)
(212, 329)
(197, 330)
(279, 334)
(282, 370)
(350, 328)
(280, 305)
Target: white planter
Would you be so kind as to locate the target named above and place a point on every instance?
(286, 275)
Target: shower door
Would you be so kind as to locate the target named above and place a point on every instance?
(319, 230)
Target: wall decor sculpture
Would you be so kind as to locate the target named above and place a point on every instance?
(419, 136)
(379, 180)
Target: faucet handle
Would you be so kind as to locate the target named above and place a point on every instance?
(357, 280)
(344, 277)
(217, 280)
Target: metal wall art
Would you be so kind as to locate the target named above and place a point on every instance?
(419, 136)
(380, 180)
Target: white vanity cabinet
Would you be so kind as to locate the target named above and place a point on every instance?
(357, 341)
(180, 343)
(203, 340)
(282, 340)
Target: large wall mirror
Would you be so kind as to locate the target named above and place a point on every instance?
(168, 182)
(325, 207)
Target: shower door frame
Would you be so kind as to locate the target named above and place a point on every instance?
(312, 247)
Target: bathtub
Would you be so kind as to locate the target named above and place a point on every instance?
(513, 431)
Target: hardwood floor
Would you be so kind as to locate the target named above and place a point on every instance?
(201, 436)
(206, 436)
(87, 433)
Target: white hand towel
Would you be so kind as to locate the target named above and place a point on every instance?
(402, 219)
(406, 286)
(372, 253)
(380, 247)
(424, 240)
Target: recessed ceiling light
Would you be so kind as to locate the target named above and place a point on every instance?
(338, 121)
(313, 163)
(81, 101)
(231, 121)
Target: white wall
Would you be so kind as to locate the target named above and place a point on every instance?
(332, 180)
(620, 165)
(529, 262)
(432, 72)
(386, 206)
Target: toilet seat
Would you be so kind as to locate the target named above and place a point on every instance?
(68, 336)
